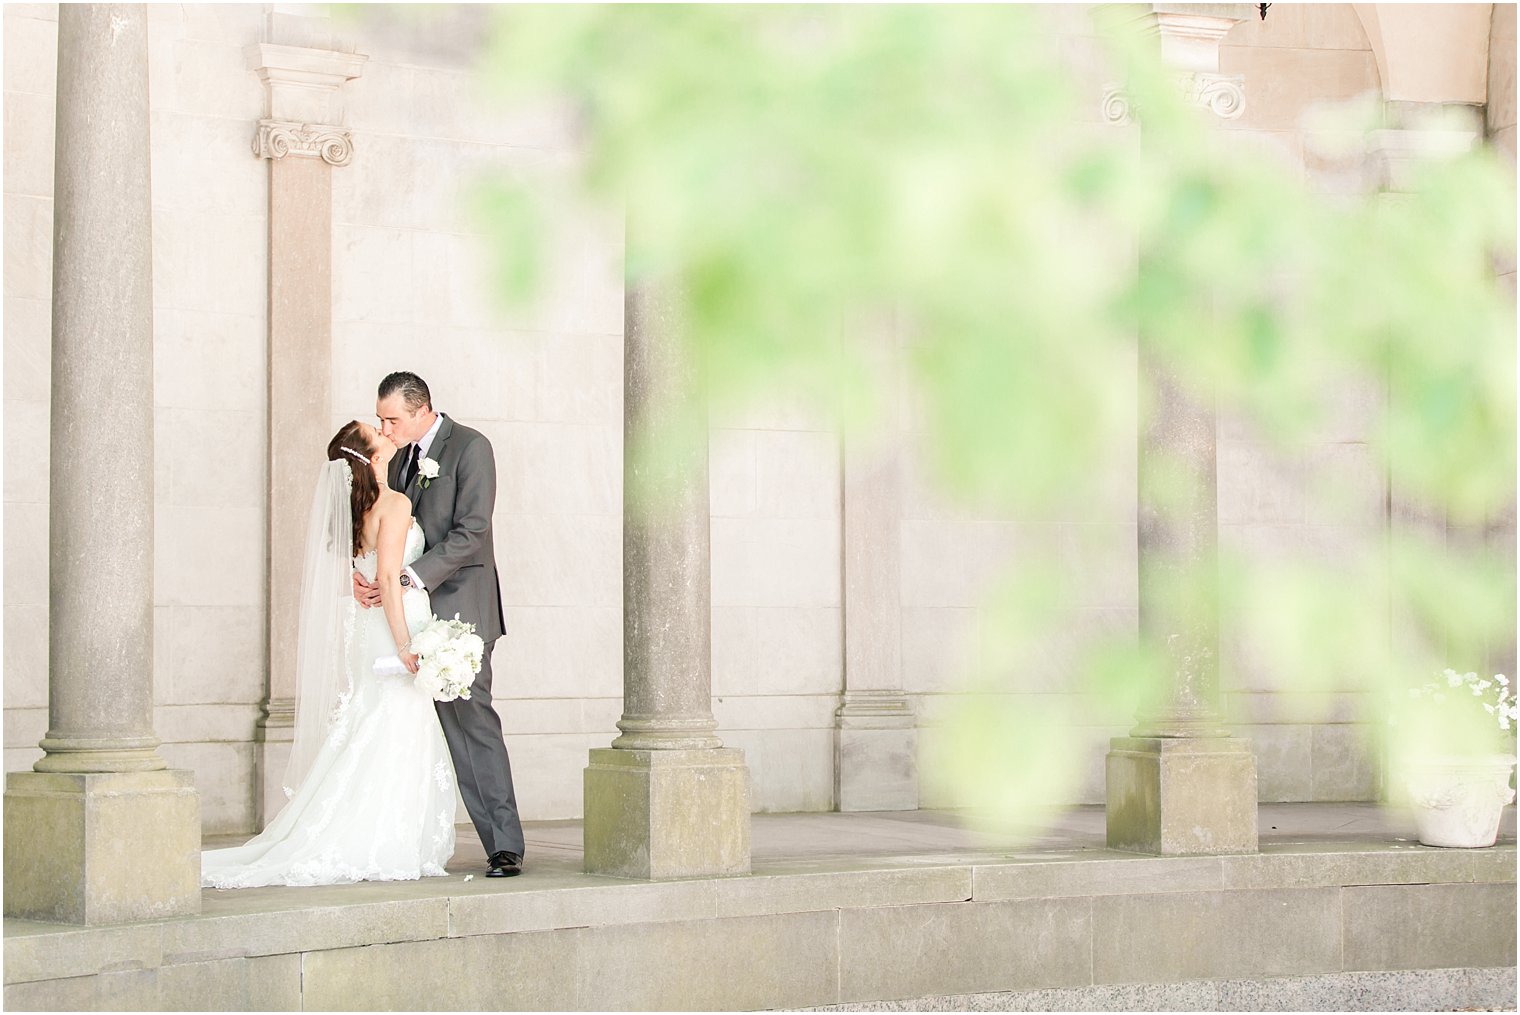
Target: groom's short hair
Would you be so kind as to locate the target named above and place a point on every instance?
(414, 390)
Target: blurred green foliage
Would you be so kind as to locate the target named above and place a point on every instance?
(797, 175)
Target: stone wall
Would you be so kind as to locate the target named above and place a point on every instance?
(776, 623)
(31, 60)
(210, 295)
(411, 290)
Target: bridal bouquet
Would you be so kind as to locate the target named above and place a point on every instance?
(448, 657)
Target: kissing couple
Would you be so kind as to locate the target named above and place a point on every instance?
(400, 531)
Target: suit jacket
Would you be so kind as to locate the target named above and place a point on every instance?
(459, 565)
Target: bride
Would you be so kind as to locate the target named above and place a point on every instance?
(370, 784)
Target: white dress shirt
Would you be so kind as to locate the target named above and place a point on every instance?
(425, 442)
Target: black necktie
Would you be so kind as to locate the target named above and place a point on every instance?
(410, 472)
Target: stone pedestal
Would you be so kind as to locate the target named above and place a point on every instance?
(657, 815)
(102, 848)
(1179, 785)
(875, 753)
(1181, 797)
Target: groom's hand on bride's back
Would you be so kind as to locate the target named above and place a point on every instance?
(366, 593)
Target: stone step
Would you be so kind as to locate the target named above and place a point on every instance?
(798, 931)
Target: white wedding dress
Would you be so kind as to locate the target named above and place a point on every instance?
(378, 802)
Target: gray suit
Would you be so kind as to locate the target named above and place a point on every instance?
(459, 570)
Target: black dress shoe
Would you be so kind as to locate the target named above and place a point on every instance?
(504, 865)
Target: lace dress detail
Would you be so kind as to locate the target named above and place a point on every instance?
(378, 804)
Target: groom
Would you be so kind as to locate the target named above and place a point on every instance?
(448, 472)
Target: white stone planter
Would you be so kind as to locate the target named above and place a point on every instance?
(1458, 801)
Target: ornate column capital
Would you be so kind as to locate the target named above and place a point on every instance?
(1189, 36)
(302, 101)
(1116, 106)
(278, 138)
(1224, 95)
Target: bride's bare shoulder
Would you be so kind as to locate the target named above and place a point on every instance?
(393, 502)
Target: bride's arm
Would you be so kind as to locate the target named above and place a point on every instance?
(390, 545)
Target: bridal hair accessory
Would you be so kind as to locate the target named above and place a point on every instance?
(351, 451)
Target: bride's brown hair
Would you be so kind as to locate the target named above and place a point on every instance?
(348, 445)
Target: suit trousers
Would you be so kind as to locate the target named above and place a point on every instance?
(473, 732)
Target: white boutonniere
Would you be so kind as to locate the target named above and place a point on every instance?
(428, 470)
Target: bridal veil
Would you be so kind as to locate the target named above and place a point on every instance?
(324, 633)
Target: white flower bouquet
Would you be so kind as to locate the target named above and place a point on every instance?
(448, 657)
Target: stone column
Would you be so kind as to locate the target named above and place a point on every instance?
(1499, 132)
(875, 735)
(301, 88)
(1420, 134)
(1416, 135)
(102, 831)
(666, 800)
(1179, 783)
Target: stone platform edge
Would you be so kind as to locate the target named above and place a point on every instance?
(1463, 989)
(792, 934)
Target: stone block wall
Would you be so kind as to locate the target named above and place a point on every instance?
(31, 58)
(776, 591)
(412, 289)
(210, 297)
